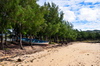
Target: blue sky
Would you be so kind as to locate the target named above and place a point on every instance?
(83, 14)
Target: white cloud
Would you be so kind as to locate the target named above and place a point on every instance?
(89, 14)
(88, 26)
(69, 15)
(64, 2)
(73, 10)
(93, 1)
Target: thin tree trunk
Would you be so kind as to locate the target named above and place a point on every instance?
(57, 40)
(17, 37)
(54, 39)
(6, 40)
(2, 44)
(66, 41)
(60, 40)
(46, 38)
(41, 37)
(31, 42)
(12, 38)
(63, 40)
(20, 42)
(50, 39)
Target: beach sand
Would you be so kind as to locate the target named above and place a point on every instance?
(76, 54)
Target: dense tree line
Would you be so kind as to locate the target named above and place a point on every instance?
(27, 19)
(88, 35)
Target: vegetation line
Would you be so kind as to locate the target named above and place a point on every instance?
(27, 19)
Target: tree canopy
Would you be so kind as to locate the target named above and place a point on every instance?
(26, 17)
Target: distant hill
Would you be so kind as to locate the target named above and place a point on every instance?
(94, 31)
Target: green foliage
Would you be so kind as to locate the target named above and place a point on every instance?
(87, 35)
(28, 18)
(51, 19)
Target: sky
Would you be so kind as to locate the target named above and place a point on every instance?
(83, 14)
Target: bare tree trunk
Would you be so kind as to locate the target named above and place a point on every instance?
(17, 37)
(66, 41)
(41, 37)
(57, 39)
(60, 40)
(20, 41)
(50, 39)
(46, 38)
(2, 43)
(54, 39)
(31, 41)
(6, 39)
(63, 40)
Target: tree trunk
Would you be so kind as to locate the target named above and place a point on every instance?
(66, 41)
(60, 40)
(46, 38)
(2, 44)
(41, 37)
(6, 40)
(50, 39)
(12, 38)
(17, 37)
(20, 41)
(63, 40)
(57, 39)
(54, 39)
(31, 42)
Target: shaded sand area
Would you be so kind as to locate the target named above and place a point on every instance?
(77, 54)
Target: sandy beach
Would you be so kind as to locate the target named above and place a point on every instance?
(76, 54)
